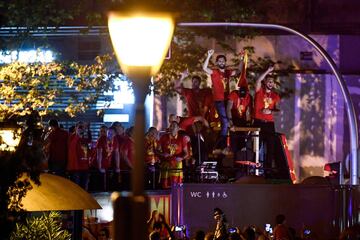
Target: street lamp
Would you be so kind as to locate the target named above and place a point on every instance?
(140, 41)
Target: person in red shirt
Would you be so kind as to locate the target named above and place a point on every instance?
(111, 132)
(102, 150)
(56, 146)
(220, 78)
(186, 123)
(265, 105)
(117, 140)
(239, 107)
(78, 156)
(266, 99)
(198, 100)
(151, 146)
(126, 149)
(174, 149)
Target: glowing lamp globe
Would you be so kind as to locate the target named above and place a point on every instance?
(140, 40)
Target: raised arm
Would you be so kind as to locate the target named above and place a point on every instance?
(206, 62)
(179, 83)
(262, 76)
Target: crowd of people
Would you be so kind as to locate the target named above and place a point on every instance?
(158, 229)
(188, 141)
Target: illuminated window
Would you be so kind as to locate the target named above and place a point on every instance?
(30, 56)
(123, 94)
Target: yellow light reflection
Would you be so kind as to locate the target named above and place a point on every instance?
(140, 40)
(9, 140)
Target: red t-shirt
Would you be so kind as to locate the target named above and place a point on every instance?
(220, 83)
(195, 100)
(58, 147)
(127, 150)
(240, 105)
(186, 124)
(102, 143)
(117, 140)
(281, 232)
(212, 116)
(122, 144)
(78, 157)
(265, 100)
(173, 146)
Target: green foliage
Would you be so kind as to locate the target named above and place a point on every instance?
(38, 86)
(17, 192)
(28, 16)
(188, 50)
(47, 226)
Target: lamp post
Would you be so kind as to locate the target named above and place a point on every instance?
(140, 41)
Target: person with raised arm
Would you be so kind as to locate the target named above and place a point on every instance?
(220, 79)
(198, 100)
(265, 105)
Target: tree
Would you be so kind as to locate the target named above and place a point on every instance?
(34, 86)
(24, 87)
(46, 226)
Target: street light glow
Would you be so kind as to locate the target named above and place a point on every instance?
(140, 41)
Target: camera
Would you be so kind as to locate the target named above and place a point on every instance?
(232, 230)
(179, 228)
(268, 228)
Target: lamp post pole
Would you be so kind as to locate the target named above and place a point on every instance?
(131, 210)
(140, 42)
(141, 80)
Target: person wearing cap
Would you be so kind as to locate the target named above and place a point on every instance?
(239, 107)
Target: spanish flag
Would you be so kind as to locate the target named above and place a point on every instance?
(242, 79)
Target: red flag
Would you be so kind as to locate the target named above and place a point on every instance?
(242, 79)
